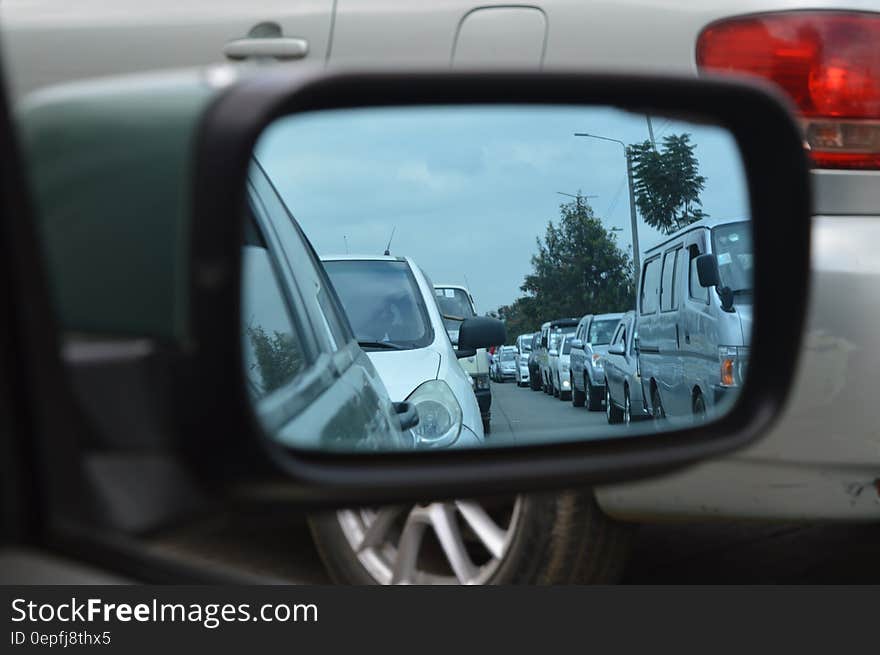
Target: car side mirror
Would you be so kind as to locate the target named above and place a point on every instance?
(479, 332)
(616, 349)
(577, 343)
(707, 270)
(262, 419)
(407, 414)
(553, 352)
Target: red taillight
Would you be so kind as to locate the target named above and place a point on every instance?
(828, 62)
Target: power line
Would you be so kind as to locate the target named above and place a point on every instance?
(613, 204)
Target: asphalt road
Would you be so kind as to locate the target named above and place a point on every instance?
(520, 415)
(278, 543)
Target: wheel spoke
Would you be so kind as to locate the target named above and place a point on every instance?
(492, 536)
(408, 549)
(378, 529)
(443, 521)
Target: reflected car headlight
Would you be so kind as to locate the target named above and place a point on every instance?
(440, 415)
(596, 361)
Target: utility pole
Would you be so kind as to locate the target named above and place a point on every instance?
(632, 200)
(632, 212)
(651, 132)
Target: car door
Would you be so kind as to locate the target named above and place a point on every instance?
(699, 353)
(56, 41)
(448, 32)
(343, 384)
(614, 365)
(577, 358)
(672, 382)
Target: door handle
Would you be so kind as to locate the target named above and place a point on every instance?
(687, 336)
(277, 47)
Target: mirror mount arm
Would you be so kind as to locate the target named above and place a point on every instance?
(726, 296)
(407, 414)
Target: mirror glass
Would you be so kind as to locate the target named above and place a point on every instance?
(430, 277)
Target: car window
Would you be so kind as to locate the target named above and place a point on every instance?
(601, 331)
(695, 291)
(382, 301)
(650, 286)
(303, 265)
(273, 351)
(453, 302)
(668, 301)
(631, 346)
(732, 245)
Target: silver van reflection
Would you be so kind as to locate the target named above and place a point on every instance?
(695, 318)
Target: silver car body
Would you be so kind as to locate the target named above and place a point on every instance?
(505, 363)
(622, 374)
(817, 462)
(404, 370)
(586, 361)
(523, 350)
(561, 365)
(682, 326)
(551, 333)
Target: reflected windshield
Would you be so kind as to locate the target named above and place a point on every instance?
(558, 334)
(732, 245)
(453, 302)
(382, 301)
(602, 331)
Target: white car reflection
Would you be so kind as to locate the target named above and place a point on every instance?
(390, 305)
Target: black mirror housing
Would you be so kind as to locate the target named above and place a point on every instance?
(480, 332)
(707, 270)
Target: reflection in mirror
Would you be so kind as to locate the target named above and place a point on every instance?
(378, 241)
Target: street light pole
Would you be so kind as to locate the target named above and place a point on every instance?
(632, 201)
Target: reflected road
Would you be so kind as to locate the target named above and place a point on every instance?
(519, 414)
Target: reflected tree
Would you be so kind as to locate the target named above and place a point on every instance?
(667, 183)
(578, 269)
(277, 357)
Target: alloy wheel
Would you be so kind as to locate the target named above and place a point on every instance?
(455, 542)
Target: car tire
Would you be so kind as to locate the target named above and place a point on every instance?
(556, 392)
(557, 538)
(657, 411)
(627, 406)
(534, 382)
(594, 398)
(578, 398)
(699, 407)
(613, 413)
(563, 395)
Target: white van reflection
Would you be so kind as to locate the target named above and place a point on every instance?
(695, 319)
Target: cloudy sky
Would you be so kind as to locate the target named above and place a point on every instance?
(468, 189)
